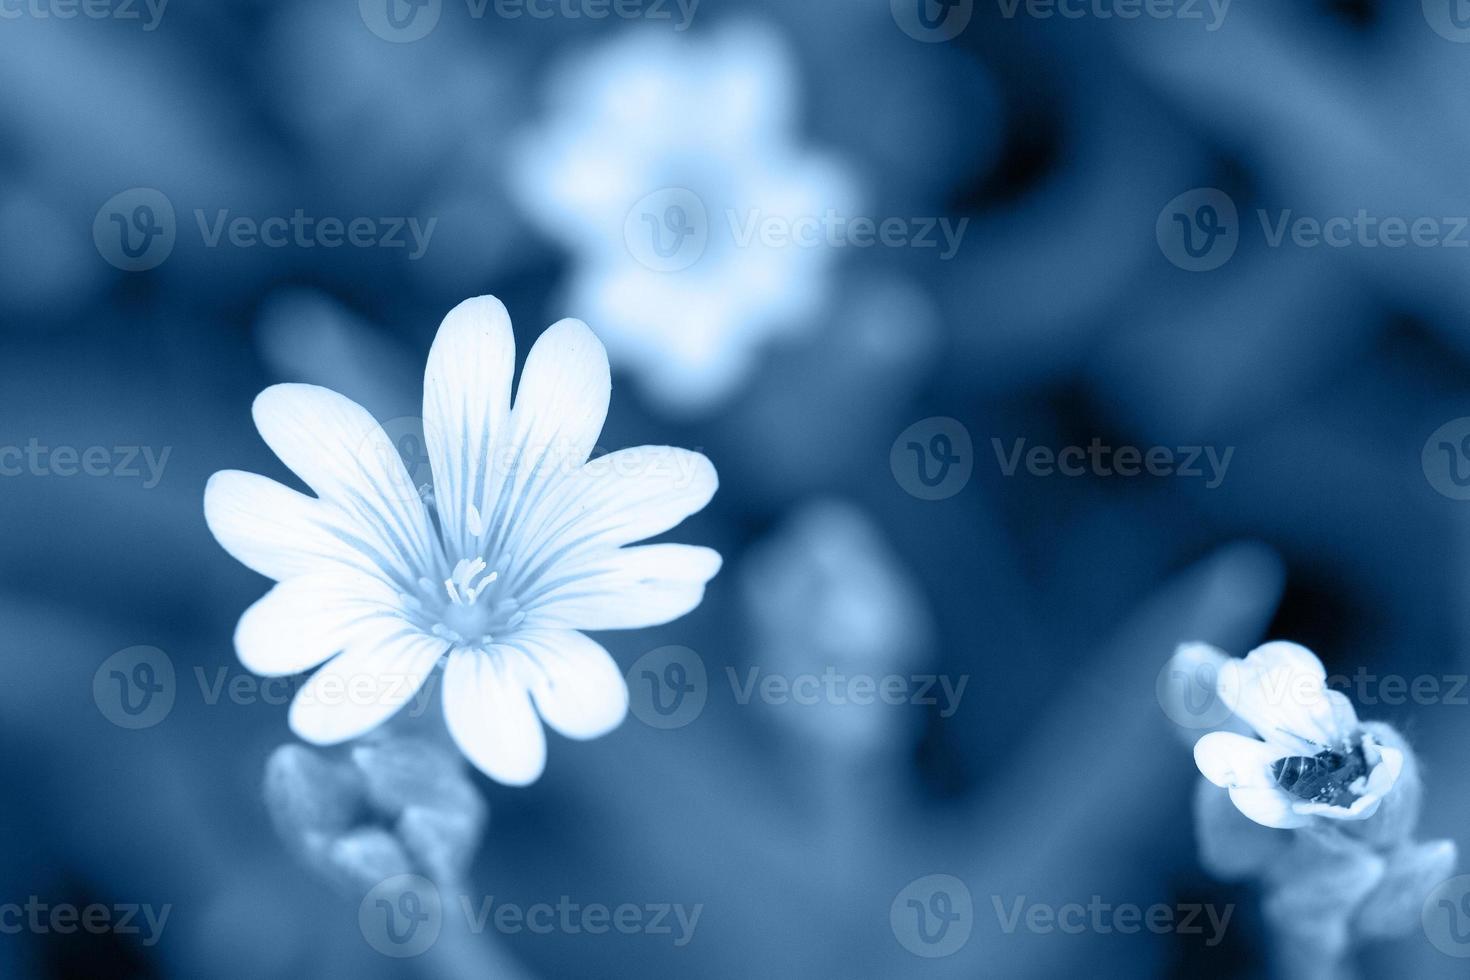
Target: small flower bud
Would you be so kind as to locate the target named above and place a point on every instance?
(404, 771)
(829, 599)
(1314, 889)
(390, 806)
(309, 794)
(1393, 908)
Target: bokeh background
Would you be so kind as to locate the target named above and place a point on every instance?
(1069, 311)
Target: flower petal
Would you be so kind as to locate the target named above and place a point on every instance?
(364, 686)
(1268, 807)
(1363, 808)
(1280, 690)
(307, 618)
(341, 452)
(276, 531)
(1386, 773)
(466, 406)
(560, 406)
(579, 690)
(614, 500)
(1231, 759)
(489, 713)
(627, 588)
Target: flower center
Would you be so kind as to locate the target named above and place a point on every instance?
(475, 612)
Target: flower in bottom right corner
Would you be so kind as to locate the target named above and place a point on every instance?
(1313, 759)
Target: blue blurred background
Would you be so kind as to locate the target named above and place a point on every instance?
(200, 199)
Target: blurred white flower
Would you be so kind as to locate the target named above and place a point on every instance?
(520, 544)
(659, 162)
(828, 598)
(1312, 760)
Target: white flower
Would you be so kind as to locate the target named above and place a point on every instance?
(660, 159)
(525, 542)
(1313, 759)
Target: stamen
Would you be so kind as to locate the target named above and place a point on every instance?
(461, 583)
